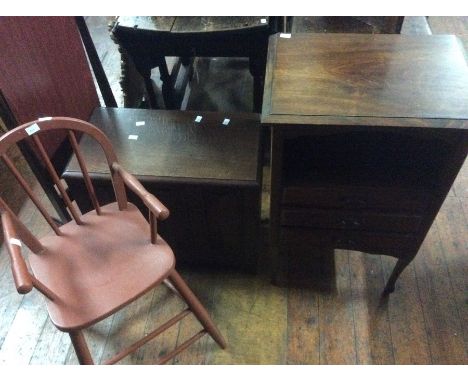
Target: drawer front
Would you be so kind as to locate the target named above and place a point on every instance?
(380, 243)
(356, 198)
(350, 220)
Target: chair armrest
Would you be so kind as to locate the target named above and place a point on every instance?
(21, 275)
(155, 206)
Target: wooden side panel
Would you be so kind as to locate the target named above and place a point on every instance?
(44, 70)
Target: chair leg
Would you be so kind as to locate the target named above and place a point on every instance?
(197, 308)
(399, 267)
(81, 348)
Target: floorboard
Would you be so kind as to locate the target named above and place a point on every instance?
(303, 327)
(440, 312)
(336, 319)
(407, 321)
(199, 352)
(252, 314)
(164, 305)
(372, 325)
(452, 226)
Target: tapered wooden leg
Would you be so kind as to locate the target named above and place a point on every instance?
(81, 348)
(197, 308)
(399, 267)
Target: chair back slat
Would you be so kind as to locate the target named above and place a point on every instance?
(56, 179)
(32, 131)
(15, 232)
(30, 193)
(84, 170)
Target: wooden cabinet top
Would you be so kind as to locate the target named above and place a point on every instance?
(380, 80)
(172, 146)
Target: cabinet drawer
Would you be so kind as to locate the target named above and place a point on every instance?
(379, 243)
(349, 220)
(356, 198)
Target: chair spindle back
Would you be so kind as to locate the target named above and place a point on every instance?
(32, 131)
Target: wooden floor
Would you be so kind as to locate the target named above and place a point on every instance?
(332, 315)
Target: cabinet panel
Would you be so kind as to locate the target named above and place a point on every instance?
(398, 245)
(357, 198)
(350, 220)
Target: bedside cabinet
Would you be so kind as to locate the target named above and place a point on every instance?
(368, 135)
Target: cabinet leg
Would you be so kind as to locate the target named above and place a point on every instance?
(399, 267)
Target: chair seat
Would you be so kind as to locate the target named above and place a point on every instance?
(99, 266)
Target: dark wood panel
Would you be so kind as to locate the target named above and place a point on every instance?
(398, 245)
(356, 198)
(385, 76)
(352, 220)
(169, 138)
(209, 225)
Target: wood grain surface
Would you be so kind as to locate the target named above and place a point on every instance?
(360, 75)
(175, 146)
